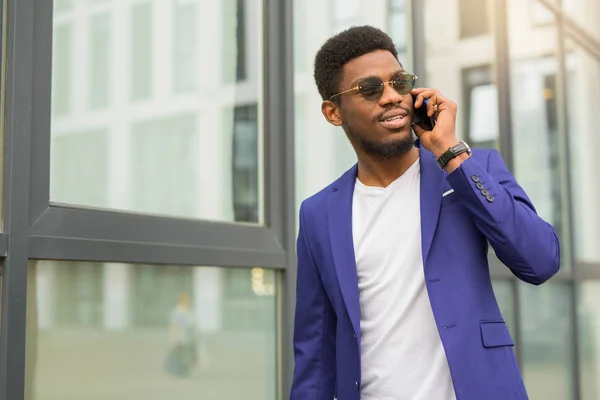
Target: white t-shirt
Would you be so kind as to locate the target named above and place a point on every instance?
(402, 355)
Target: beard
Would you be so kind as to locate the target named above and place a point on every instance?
(381, 151)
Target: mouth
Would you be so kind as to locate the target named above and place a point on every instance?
(394, 120)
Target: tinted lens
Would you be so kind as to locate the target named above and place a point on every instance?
(404, 84)
(371, 91)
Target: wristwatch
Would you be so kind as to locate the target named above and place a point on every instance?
(452, 152)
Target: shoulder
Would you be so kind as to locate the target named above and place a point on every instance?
(317, 203)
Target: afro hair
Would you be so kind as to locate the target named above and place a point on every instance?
(342, 48)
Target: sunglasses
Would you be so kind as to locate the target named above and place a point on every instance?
(371, 89)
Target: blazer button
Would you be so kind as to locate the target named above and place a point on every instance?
(356, 383)
(485, 193)
(479, 185)
(475, 178)
(354, 336)
(490, 198)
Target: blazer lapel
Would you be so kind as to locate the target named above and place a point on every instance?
(342, 244)
(432, 188)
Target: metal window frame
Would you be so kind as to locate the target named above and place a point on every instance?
(38, 229)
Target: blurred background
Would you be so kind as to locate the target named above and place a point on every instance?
(158, 109)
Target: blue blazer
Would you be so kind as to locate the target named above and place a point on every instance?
(486, 206)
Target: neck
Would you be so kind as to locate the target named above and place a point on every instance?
(374, 172)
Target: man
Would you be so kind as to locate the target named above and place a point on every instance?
(394, 297)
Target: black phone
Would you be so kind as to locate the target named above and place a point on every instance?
(420, 116)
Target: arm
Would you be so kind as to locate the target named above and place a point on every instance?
(314, 330)
(522, 240)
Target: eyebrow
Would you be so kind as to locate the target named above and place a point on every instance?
(364, 78)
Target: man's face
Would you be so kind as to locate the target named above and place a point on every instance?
(380, 128)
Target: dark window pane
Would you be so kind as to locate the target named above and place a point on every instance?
(245, 164)
(235, 40)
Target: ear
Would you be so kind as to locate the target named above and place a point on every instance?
(331, 112)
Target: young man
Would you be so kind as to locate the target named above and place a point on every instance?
(394, 298)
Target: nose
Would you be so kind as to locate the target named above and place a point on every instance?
(389, 95)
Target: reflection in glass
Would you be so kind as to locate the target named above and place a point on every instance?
(180, 137)
(399, 30)
(474, 18)
(583, 96)
(546, 341)
(506, 301)
(481, 98)
(588, 312)
(585, 14)
(461, 68)
(534, 113)
(111, 331)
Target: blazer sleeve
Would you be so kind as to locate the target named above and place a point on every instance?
(314, 329)
(504, 214)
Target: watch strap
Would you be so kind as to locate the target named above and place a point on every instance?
(451, 153)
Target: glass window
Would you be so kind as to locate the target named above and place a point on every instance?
(534, 113)
(588, 312)
(235, 36)
(141, 50)
(399, 24)
(474, 18)
(184, 46)
(546, 341)
(462, 69)
(100, 331)
(100, 61)
(73, 170)
(60, 5)
(585, 14)
(176, 140)
(62, 56)
(506, 301)
(583, 96)
(482, 128)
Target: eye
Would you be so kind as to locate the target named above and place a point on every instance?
(369, 90)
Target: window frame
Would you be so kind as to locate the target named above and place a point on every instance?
(39, 229)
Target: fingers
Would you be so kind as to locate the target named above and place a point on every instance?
(437, 102)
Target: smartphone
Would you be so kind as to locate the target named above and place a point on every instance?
(420, 116)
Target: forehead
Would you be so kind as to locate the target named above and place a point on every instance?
(380, 63)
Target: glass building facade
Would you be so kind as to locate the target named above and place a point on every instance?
(158, 150)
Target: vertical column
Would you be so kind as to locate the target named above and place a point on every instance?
(117, 314)
(44, 276)
(208, 298)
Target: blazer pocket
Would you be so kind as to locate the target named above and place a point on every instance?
(495, 334)
(449, 199)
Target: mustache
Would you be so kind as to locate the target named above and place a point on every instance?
(409, 111)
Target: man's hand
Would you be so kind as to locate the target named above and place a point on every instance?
(443, 135)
